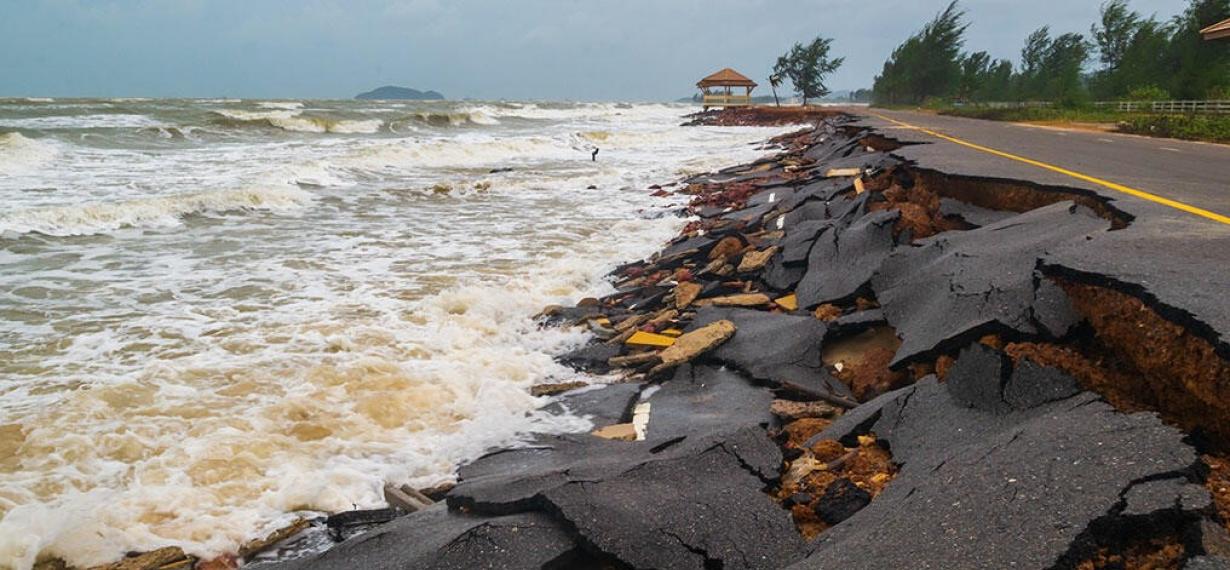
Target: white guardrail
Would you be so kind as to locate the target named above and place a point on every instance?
(1211, 107)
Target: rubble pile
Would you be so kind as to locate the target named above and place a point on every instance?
(844, 362)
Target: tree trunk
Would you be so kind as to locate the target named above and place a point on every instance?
(775, 101)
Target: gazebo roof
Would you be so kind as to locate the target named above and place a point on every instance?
(1217, 31)
(726, 78)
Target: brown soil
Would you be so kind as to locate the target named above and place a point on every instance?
(868, 466)
(864, 359)
(827, 312)
(1217, 481)
(1156, 553)
(1013, 195)
(1164, 367)
(920, 211)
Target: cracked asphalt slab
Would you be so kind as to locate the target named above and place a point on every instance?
(1004, 464)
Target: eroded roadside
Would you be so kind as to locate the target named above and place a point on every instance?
(850, 361)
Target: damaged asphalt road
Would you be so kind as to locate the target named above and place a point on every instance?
(843, 269)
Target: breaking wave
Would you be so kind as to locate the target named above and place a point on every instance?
(293, 120)
(19, 154)
(97, 121)
(285, 105)
(165, 211)
(447, 119)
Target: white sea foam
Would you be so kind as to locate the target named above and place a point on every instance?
(198, 387)
(294, 120)
(286, 105)
(102, 217)
(19, 155)
(96, 121)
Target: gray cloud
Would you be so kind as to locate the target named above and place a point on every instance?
(514, 49)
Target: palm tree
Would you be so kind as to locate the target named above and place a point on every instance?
(779, 73)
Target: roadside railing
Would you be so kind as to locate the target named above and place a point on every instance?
(726, 100)
(1213, 107)
(1207, 107)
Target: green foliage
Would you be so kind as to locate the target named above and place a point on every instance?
(1148, 93)
(1137, 56)
(928, 64)
(1215, 128)
(806, 66)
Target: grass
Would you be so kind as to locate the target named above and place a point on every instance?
(1210, 128)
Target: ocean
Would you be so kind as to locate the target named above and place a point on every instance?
(218, 314)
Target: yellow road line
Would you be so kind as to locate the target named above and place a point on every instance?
(1100, 182)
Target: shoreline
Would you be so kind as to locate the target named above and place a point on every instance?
(839, 347)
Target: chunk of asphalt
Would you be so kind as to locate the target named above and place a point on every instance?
(698, 243)
(858, 421)
(592, 357)
(1207, 563)
(781, 276)
(698, 512)
(977, 378)
(775, 348)
(840, 501)
(971, 214)
(857, 322)
(822, 190)
(697, 476)
(799, 239)
(959, 285)
(1177, 494)
(1032, 385)
(437, 539)
(978, 489)
(1052, 309)
(843, 260)
(603, 405)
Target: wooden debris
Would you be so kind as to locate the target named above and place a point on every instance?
(553, 389)
(742, 300)
(842, 172)
(694, 344)
(262, 544)
(620, 432)
(644, 339)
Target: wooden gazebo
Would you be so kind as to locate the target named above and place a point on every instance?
(1218, 31)
(716, 89)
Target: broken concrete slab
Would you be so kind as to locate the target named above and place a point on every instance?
(997, 490)
(696, 342)
(843, 260)
(959, 285)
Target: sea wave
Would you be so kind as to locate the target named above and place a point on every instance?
(295, 121)
(19, 154)
(163, 211)
(460, 153)
(446, 119)
(96, 121)
(284, 105)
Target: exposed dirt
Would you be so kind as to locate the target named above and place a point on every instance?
(861, 362)
(1013, 195)
(1163, 366)
(808, 488)
(920, 211)
(1152, 553)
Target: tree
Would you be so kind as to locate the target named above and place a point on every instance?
(927, 64)
(807, 65)
(1114, 37)
(1199, 67)
(779, 74)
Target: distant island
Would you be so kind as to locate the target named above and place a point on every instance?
(395, 92)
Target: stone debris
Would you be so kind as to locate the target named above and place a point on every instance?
(695, 343)
(744, 300)
(685, 293)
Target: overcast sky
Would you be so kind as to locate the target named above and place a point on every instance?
(490, 49)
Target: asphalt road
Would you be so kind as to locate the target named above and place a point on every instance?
(1197, 174)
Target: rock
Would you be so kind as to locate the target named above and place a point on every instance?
(408, 499)
(685, 293)
(591, 358)
(789, 411)
(540, 390)
(620, 432)
(840, 501)
(728, 246)
(743, 300)
(634, 360)
(697, 342)
(756, 260)
(151, 560)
